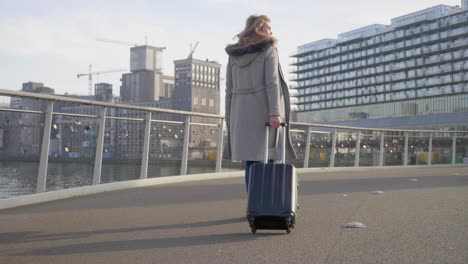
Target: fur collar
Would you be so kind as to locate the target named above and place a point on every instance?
(262, 45)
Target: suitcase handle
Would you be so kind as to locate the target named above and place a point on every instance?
(283, 138)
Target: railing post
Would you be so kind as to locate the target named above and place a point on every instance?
(382, 149)
(454, 148)
(99, 147)
(429, 155)
(405, 154)
(358, 149)
(333, 149)
(219, 147)
(146, 147)
(307, 148)
(44, 159)
(183, 166)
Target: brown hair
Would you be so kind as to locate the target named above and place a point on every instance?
(251, 32)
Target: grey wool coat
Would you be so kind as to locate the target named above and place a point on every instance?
(255, 90)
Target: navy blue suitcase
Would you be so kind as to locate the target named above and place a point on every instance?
(272, 193)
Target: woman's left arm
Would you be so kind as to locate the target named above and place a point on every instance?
(273, 86)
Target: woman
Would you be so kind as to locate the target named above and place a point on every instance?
(255, 94)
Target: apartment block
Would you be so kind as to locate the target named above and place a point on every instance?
(379, 75)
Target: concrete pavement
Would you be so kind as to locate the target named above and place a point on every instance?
(420, 218)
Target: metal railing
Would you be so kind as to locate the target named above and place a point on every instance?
(384, 147)
(51, 128)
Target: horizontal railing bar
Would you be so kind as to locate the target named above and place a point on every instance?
(374, 129)
(365, 135)
(447, 136)
(76, 115)
(314, 132)
(119, 118)
(21, 110)
(204, 124)
(167, 121)
(319, 132)
(297, 130)
(124, 118)
(104, 104)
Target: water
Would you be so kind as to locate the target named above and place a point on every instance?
(17, 178)
(20, 178)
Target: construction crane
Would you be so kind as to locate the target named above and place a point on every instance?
(126, 42)
(192, 50)
(91, 73)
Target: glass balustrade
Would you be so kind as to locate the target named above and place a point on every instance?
(369, 149)
(345, 153)
(319, 150)
(101, 143)
(72, 151)
(394, 150)
(20, 152)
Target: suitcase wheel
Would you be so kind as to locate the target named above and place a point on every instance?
(289, 225)
(252, 224)
(254, 230)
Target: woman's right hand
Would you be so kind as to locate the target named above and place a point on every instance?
(275, 121)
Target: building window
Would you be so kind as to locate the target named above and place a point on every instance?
(195, 100)
(203, 101)
(212, 102)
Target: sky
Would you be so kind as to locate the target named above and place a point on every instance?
(51, 41)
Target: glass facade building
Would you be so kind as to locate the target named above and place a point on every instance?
(417, 66)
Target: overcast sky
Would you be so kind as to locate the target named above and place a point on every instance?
(51, 41)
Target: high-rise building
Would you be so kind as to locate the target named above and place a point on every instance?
(31, 86)
(379, 75)
(145, 83)
(146, 58)
(197, 85)
(197, 89)
(15, 102)
(167, 87)
(103, 92)
(145, 86)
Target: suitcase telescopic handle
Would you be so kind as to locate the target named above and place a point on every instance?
(283, 139)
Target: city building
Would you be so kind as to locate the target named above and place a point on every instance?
(197, 86)
(197, 89)
(412, 73)
(75, 137)
(103, 92)
(31, 86)
(146, 86)
(167, 87)
(146, 82)
(16, 102)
